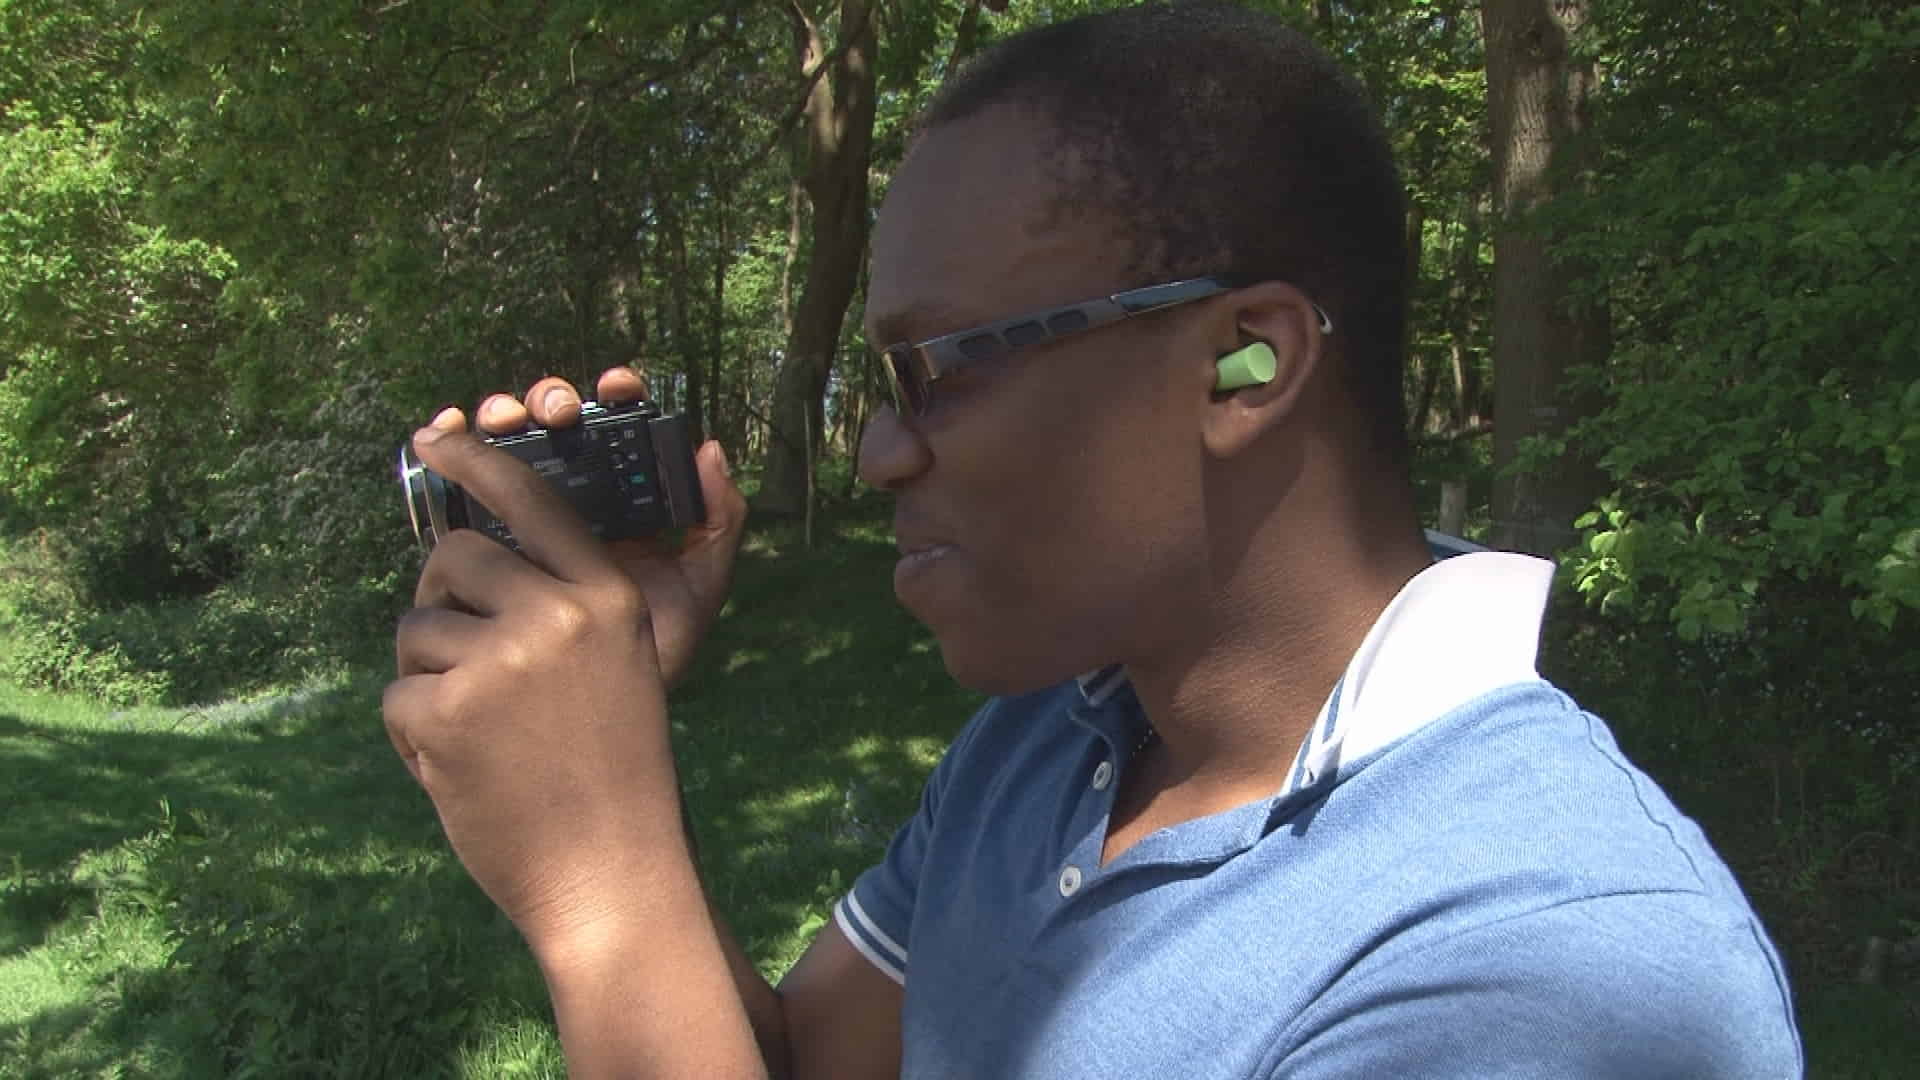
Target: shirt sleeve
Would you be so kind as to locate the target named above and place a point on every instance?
(1616, 986)
(877, 914)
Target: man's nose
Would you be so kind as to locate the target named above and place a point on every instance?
(892, 452)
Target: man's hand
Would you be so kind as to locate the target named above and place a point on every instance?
(530, 701)
(685, 589)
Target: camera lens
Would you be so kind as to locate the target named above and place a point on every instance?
(426, 495)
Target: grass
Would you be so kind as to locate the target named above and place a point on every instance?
(165, 867)
(257, 889)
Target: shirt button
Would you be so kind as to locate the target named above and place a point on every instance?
(1102, 775)
(1069, 881)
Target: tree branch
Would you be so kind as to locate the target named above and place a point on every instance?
(785, 123)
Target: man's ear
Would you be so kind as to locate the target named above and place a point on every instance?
(1258, 388)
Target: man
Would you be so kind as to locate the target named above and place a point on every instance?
(1265, 792)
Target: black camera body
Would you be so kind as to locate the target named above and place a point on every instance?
(626, 469)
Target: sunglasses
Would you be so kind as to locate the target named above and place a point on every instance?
(917, 367)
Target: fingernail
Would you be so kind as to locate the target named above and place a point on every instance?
(427, 435)
(557, 399)
(726, 467)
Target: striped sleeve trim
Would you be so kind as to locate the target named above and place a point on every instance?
(880, 950)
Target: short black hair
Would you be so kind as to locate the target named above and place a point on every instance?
(1229, 144)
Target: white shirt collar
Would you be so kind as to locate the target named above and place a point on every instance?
(1461, 628)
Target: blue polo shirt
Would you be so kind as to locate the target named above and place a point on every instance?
(1447, 886)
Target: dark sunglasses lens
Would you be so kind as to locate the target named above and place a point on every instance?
(909, 391)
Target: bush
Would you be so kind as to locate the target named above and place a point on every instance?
(375, 979)
(52, 643)
(301, 957)
(53, 652)
(304, 565)
(1750, 229)
(312, 502)
(180, 650)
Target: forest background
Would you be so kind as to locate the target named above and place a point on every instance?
(1665, 332)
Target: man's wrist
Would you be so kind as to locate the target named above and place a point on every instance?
(644, 988)
(618, 905)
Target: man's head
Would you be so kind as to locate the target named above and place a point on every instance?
(1072, 486)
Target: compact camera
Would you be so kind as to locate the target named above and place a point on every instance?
(626, 469)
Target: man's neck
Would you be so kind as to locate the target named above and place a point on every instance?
(1243, 684)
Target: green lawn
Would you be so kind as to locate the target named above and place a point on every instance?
(258, 889)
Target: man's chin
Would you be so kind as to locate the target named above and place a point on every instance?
(996, 673)
(991, 649)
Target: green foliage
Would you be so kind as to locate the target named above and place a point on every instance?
(62, 651)
(243, 251)
(104, 322)
(52, 641)
(316, 514)
(1752, 225)
(347, 983)
(289, 910)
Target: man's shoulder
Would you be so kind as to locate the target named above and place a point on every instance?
(1522, 777)
(1615, 985)
(1516, 803)
(1510, 852)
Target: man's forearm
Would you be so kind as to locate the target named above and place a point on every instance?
(761, 1000)
(654, 993)
(665, 991)
(757, 996)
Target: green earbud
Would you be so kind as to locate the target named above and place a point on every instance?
(1249, 366)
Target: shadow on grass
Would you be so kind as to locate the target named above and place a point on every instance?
(296, 878)
(807, 729)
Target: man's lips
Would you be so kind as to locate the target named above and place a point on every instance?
(920, 548)
(912, 563)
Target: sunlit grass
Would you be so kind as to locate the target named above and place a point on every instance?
(193, 892)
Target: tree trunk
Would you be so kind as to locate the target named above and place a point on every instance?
(839, 124)
(1470, 408)
(966, 36)
(796, 234)
(1420, 420)
(1453, 507)
(1416, 230)
(679, 282)
(1537, 97)
(717, 329)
